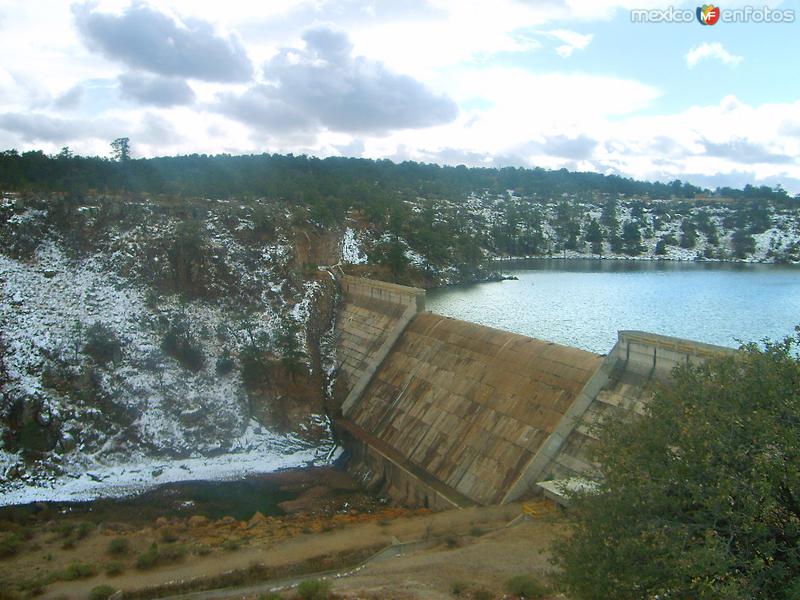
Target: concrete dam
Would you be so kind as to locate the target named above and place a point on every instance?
(444, 413)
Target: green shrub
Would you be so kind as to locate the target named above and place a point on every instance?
(101, 592)
(168, 534)
(727, 430)
(115, 568)
(225, 363)
(102, 344)
(314, 589)
(173, 553)
(64, 530)
(482, 594)
(179, 343)
(118, 546)
(10, 544)
(231, 544)
(83, 530)
(525, 586)
(148, 559)
(78, 571)
(458, 588)
(31, 588)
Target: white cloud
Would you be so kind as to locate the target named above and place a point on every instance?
(572, 40)
(57, 91)
(711, 50)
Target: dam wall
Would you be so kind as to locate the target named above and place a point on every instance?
(444, 413)
(466, 405)
(622, 387)
(371, 317)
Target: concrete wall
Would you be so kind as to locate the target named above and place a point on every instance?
(384, 470)
(621, 387)
(469, 405)
(443, 413)
(371, 317)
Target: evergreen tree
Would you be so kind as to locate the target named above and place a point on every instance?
(699, 496)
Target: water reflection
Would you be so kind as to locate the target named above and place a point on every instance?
(584, 302)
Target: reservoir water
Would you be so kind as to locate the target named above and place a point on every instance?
(583, 303)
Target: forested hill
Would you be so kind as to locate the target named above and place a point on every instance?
(303, 177)
(427, 224)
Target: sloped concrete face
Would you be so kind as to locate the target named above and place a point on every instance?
(623, 385)
(444, 413)
(372, 315)
(467, 405)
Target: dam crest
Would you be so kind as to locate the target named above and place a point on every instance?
(444, 413)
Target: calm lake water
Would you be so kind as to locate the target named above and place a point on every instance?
(583, 303)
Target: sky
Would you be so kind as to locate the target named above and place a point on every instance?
(574, 84)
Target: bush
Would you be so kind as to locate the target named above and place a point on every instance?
(102, 344)
(482, 594)
(231, 544)
(179, 343)
(148, 559)
(173, 553)
(64, 530)
(83, 530)
(698, 497)
(30, 587)
(118, 546)
(225, 363)
(115, 568)
(9, 545)
(525, 586)
(168, 534)
(101, 592)
(314, 589)
(458, 588)
(78, 571)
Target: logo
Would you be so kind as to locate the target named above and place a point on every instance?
(708, 14)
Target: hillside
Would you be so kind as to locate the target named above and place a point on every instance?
(156, 341)
(160, 335)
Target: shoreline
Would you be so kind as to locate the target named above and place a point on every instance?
(624, 258)
(132, 479)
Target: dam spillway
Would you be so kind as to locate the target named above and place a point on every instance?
(445, 413)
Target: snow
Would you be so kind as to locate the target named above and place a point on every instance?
(351, 249)
(272, 453)
(175, 424)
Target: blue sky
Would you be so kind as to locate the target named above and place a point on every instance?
(551, 83)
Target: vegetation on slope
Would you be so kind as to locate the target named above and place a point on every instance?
(700, 497)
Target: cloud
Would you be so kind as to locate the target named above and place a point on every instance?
(324, 86)
(154, 89)
(580, 147)
(744, 151)
(572, 40)
(70, 99)
(711, 50)
(156, 131)
(144, 38)
(34, 127)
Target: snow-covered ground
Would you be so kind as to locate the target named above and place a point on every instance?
(257, 451)
(143, 419)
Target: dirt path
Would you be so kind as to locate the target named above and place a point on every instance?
(300, 548)
(486, 562)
